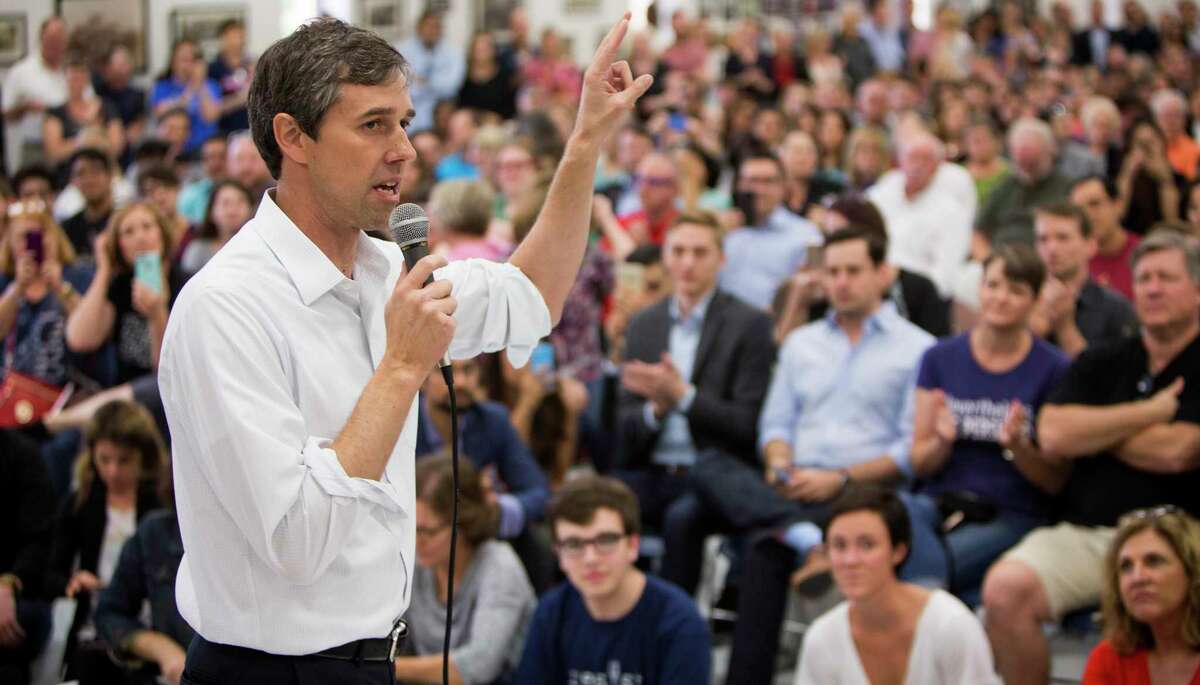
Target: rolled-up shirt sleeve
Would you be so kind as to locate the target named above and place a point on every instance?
(228, 403)
(498, 307)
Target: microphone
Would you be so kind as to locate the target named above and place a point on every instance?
(410, 229)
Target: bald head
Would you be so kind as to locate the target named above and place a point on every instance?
(1031, 146)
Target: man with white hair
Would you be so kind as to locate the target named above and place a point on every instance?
(246, 166)
(1007, 216)
(927, 213)
(1170, 113)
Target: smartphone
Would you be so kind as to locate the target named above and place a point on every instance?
(543, 362)
(677, 121)
(35, 245)
(814, 256)
(147, 269)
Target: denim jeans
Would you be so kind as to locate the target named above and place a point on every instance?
(958, 560)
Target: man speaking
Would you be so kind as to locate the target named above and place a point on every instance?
(292, 361)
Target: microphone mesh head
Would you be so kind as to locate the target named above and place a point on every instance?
(408, 224)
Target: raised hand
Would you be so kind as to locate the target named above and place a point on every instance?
(609, 89)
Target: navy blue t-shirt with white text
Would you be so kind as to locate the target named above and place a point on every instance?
(979, 400)
(661, 641)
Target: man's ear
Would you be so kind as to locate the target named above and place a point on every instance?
(292, 140)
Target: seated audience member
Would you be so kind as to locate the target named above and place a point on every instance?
(116, 474)
(119, 305)
(34, 182)
(185, 85)
(246, 166)
(159, 186)
(1109, 266)
(232, 70)
(172, 130)
(492, 597)
(41, 289)
(515, 484)
(915, 296)
(194, 196)
(91, 174)
(610, 620)
(459, 214)
(146, 573)
(835, 413)
(761, 255)
(695, 372)
(658, 193)
(973, 447)
(1007, 216)
(641, 281)
(1072, 311)
(928, 224)
(887, 627)
(1151, 604)
(1130, 427)
(1148, 189)
(229, 207)
(113, 83)
(27, 508)
(84, 119)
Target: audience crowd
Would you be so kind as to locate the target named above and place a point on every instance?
(907, 315)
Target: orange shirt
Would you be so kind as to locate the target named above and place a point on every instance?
(1184, 154)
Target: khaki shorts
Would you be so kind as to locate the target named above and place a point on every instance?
(1069, 560)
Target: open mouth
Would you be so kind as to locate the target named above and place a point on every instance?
(389, 191)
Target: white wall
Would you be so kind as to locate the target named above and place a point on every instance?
(584, 28)
(35, 12)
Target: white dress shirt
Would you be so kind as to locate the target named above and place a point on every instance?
(266, 353)
(30, 80)
(931, 232)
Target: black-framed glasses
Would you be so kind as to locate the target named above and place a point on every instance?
(605, 544)
(1149, 514)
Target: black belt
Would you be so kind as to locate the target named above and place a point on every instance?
(370, 649)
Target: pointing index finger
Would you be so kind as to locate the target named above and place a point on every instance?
(607, 51)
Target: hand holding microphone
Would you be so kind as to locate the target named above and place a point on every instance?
(419, 314)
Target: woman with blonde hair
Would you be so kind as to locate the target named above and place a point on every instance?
(117, 477)
(125, 304)
(1151, 602)
(868, 156)
(40, 285)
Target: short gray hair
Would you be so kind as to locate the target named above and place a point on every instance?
(1165, 239)
(1030, 125)
(1165, 97)
(463, 206)
(302, 74)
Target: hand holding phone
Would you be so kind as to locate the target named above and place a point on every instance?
(35, 245)
(147, 270)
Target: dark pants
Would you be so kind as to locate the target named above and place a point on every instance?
(209, 663)
(34, 617)
(672, 509)
(767, 566)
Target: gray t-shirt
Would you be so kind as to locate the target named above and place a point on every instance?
(492, 604)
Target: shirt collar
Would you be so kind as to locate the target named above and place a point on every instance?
(881, 321)
(698, 312)
(311, 271)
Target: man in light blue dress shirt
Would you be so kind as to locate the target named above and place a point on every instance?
(760, 256)
(835, 413)
(437, 65)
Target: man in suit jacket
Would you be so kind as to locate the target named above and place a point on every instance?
(1090, 46)
(696, 371)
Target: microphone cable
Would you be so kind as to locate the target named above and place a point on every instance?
(448, 376)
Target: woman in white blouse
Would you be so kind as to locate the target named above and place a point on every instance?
(887, 631)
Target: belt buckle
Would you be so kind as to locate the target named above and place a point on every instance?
(399, 630)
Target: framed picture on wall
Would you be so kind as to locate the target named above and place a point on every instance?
(202, 24)
(14, 38)
(95, 26)
(385, 17)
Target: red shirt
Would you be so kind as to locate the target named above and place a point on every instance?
(656, 232)
(1114, 271)
(1107, 666)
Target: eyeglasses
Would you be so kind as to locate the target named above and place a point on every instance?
(605, 544)
(31, 206)
(1149, 514)
(654, 181)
